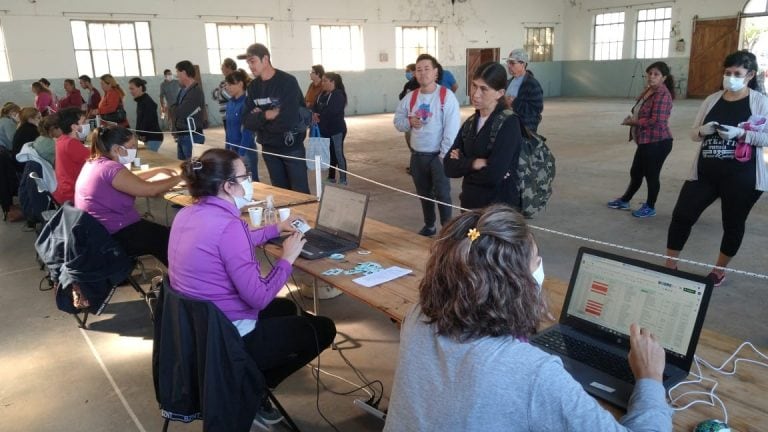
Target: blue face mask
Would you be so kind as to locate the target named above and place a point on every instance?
(409, 76)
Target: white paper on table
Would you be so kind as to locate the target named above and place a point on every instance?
(382, 276)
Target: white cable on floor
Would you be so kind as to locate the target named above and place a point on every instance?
(111, 380)
(363, 387)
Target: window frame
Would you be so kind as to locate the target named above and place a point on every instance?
(609, 44)
(665, 39)
(233, 51)
(530, 48)
(141, 64)
(400, 62)
(4, 58)
(355, 61)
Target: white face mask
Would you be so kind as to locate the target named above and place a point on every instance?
(242, 201)
(85, 129)
(538, 274)
(733, 83)
(129, 157)
(169, 77)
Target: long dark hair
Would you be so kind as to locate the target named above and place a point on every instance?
(745, 59)
(337, 81)
(669, 80)
(205, 175)
(482, 286)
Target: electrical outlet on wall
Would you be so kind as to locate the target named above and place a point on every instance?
(383, 57)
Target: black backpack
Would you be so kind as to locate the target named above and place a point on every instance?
(535, 167)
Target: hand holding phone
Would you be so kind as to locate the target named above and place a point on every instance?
(300, 226)
(720, 127)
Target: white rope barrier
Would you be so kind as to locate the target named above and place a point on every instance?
(536, 227)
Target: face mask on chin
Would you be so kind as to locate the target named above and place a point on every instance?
(242, 201)
(733, 83)
(85, 129)
(169, 77)
(538, 275)
(127, 158)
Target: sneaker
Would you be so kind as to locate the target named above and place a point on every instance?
(716, 279)
(343, 182)
(428, 231)
(644, 211)
(619, 204)
(267, 414)
(330, 180)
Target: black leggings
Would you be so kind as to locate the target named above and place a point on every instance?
(649, 158)
(284, 342)
(737, 199)
(145, 238)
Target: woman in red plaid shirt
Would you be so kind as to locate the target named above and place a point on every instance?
(649, 129)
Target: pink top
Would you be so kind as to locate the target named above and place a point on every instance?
(43, 101)
(95, 194)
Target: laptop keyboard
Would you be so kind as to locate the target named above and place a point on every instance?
(322, 241)
(612, 364)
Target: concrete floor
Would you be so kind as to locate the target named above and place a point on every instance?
(57, 377)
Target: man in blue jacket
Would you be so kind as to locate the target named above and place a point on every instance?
(272, 111)
(524, 93)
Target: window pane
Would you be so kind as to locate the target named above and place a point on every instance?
(83, 60)
(143, 37)
(5, 70)
(211, 36)
(96, 36)
(214, 62)
(127, 38)
(112, 35)
(147, 61)
(79, 34)
(131, 62)
(652, 39)
(100, 63)
(116, 65)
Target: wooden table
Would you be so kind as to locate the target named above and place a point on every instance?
(744, 394)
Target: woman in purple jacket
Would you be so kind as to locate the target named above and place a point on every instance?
(212, 257)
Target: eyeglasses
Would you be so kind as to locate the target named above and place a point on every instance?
(246, 176)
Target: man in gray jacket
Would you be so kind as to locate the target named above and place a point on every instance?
(189, 105)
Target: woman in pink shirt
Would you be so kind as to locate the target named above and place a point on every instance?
(43, 98)
(106, 189)
(212, 257)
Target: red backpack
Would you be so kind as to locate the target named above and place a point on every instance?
(415, 96)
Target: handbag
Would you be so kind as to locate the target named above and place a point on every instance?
(118, 116)
(318, 146)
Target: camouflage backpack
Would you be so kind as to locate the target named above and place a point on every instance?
(535, 168)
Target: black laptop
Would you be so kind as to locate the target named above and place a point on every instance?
(339, 223)
(606, 294)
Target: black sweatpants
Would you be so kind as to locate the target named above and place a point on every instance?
(649, 158)
(737, 195)
(284, 342)
(145, 238)
(429, 178)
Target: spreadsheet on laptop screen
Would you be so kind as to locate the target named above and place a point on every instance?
(342, 210)
(613, 295)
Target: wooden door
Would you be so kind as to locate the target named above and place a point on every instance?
(476, 57)
(712, 40)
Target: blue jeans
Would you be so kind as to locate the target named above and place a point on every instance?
(184, 144)
(251, 159)
(153, 145)
(288, 173)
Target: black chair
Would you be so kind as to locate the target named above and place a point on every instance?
(201, 369)
(80, 254)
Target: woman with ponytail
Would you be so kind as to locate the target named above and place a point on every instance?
(649, 128)
(106, 189)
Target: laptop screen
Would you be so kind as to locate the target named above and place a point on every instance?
(342, 212)
(613, 294)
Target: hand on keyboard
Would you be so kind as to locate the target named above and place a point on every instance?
(646, 356)
(292, 246)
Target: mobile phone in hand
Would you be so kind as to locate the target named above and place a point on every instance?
(720, 127)
(300, 226)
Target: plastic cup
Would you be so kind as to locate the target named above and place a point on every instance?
(256, 214)
(284, 213)
(137, 162)
(144, 167)
(127, 166)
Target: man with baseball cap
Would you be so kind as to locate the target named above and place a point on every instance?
(272, 112)
(524, 94)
